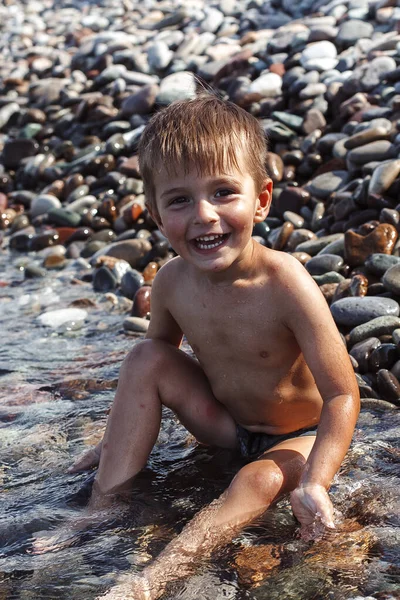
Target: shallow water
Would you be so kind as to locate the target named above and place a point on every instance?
(56, 388)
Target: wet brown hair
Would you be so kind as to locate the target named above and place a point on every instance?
(206, 133)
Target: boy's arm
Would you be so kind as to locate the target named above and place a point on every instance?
(162, 324)
(309, 318)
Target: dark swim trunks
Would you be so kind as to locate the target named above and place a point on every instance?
(253, 443)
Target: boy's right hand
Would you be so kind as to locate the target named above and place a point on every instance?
(86, 461)
(310, 503)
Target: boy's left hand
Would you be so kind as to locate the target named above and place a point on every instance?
(310, 502)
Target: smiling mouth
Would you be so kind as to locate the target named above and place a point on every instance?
(207, 242)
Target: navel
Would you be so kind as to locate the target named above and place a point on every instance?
(264, 354)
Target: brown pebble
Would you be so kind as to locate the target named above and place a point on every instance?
(283, 236)
(293, 199)
(357, 248)
(141, 302)
(302, 257)
(274, 166)
(328, 290)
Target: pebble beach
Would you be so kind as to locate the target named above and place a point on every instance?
(79, 252)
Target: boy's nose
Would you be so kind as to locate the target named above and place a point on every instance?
(205, 212)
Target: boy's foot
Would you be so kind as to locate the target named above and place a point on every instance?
(86, 461)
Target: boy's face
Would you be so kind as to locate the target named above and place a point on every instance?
(208, 219)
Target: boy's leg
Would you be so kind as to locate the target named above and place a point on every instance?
(251, 492)
(156, 373)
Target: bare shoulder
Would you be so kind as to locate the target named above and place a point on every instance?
(168, 275)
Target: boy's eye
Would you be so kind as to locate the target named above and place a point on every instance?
(179, 200)
(223, 193)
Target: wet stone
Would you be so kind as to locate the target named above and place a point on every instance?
(329, 277)
(383, 357)
(104, 280)
(315, 246)
(293, 199)
(15, 150)
(34, 271)
(362, 351)
(383, 176)
(130, 283)
(136, 324)
(389, 386)
(63, 218)
(379, 150)
(356, 310)
(43, 240)
(141, 302)
(43, 204)
(391, 279)
(323, 264)
(358, 248)
(324, 185)
(374, 328)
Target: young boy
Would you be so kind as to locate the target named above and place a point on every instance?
(271, 365)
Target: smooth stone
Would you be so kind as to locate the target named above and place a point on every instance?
(319, 265)
(296, 220)
(369, 135)
(298, 237)
(16, 150)
(104, 280)
(317, 50)
(262, 230)
(362, 351)
(63, 218)
(268, 85)
(383, 357)
(395, 369)
(33, 271)
(377, 68)
(335, 247)
(358, 248)
(136, 324)
(389, 215)
(378, 264)
(314, 246)
(352, 30)
(274, 166)
(130, 250)
(141, 302)
(355, 311)
(56, 318)
(313, 120)
(383, 177)
(291, 198)
(140, 103)
(44, 240)
(130, 283)
(177, 86)
(391, 279)
(82, 204)
(374, 151)
(42, 204)
(324, 185)
(374, 328)
(159, 55)
(329, 277)
(389, 386)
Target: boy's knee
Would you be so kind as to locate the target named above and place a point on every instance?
(148, 353)
(256, 479)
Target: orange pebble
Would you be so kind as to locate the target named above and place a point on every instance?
(150, 272)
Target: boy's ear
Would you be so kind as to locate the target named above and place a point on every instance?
(264, 201)
(155, 216)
